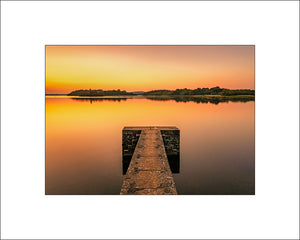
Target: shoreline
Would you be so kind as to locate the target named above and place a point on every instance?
(152, 96)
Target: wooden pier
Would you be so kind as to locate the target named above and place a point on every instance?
(149, 172)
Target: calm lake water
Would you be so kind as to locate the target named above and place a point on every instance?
(84, 143)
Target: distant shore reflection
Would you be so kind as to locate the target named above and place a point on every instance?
(91, 100)
(196, 99)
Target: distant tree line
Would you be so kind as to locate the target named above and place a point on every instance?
(203, 91)
(177, 92)
(99, 92)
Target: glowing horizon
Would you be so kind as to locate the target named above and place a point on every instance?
(145, 68)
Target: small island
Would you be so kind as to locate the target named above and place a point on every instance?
(98, 93)
(213, 95)
(178, 92)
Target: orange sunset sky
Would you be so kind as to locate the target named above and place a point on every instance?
(143, 68)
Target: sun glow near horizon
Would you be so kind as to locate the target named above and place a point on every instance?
(144, 68)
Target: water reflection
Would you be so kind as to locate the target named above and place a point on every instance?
(197, 99)
(203, 99)
(84, 144)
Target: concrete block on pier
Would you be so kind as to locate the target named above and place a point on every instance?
(148, 167)
(171, 139)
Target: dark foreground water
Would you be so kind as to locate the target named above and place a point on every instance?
(84, 143)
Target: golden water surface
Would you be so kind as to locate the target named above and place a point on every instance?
(84, 143)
